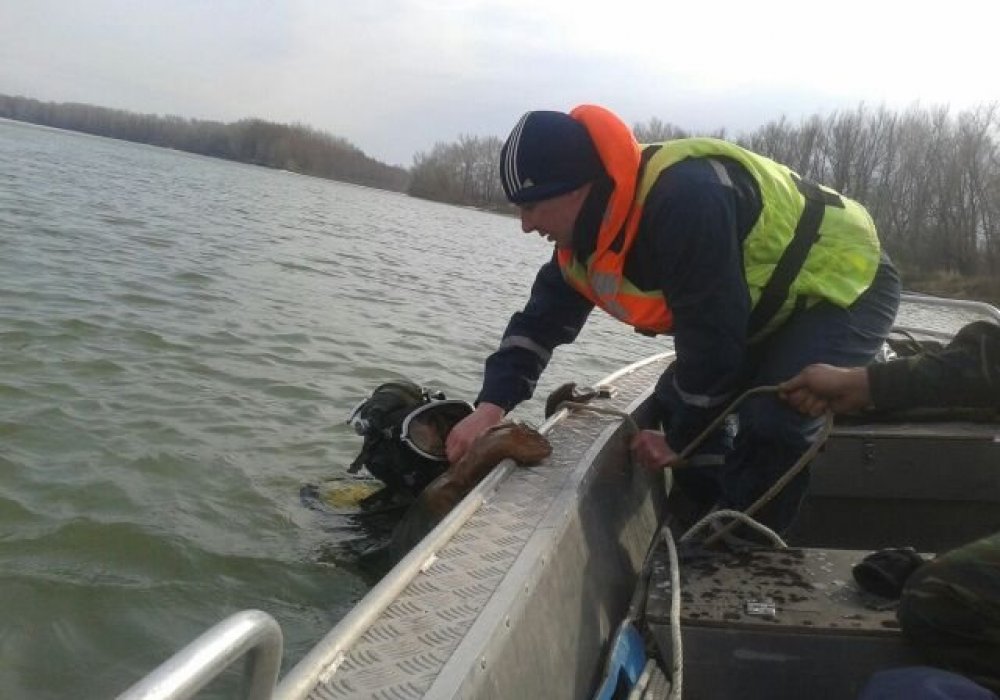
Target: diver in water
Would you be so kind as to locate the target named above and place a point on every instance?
(405, 428)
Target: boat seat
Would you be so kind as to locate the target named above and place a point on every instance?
(930, 485)
(774, 623)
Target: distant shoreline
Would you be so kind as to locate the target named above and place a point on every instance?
(295, 148)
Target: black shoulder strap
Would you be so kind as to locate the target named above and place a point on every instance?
(806, 234)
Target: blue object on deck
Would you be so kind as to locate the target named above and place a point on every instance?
(626, 661)
(922, 683)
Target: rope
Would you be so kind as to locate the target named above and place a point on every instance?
(793, 471)
(682, 458)
(677, 652)
(778, 485)
(703, 435)
(658, 687)
(677, 670)
(652, 684)
(740, 516)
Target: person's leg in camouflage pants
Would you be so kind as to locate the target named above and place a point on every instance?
(950, 610)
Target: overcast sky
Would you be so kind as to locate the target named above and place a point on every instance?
(395, 76)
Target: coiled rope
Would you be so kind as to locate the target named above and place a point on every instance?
(734, 517)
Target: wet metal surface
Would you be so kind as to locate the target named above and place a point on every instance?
(791, 588)
(776, 625)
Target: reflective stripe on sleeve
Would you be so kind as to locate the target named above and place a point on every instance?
(700, 400)
(522, 341)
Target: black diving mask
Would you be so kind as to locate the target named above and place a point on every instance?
(424, 429)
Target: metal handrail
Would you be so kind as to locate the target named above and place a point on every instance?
(250, 632)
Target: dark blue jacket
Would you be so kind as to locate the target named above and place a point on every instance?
(689, 247)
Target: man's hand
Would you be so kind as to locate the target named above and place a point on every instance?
(819, 388)
(469, 428)
(650, 450)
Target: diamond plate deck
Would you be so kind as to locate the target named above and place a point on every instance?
(401, 655)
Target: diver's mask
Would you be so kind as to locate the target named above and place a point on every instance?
(426, 428)
(422, 425)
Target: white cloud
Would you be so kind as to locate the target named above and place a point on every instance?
(396, 76)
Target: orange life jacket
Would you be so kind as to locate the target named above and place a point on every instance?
(602, 280)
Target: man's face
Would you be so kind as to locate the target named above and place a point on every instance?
(554, 218)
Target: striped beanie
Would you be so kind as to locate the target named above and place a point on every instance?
(546, 155)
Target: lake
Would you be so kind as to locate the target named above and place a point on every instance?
(181, 339)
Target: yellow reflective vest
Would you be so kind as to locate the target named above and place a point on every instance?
(808, 244)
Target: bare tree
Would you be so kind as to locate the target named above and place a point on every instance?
(930, 180)
(657, 130)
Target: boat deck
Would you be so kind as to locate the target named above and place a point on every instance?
(784, 623)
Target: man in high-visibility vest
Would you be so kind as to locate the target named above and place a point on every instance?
(754, 270)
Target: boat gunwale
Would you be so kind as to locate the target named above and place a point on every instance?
(511, 595)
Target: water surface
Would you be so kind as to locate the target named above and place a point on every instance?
(180, 341)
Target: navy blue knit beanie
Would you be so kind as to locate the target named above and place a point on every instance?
(546, 155)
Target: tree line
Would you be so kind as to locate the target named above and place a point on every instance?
(294, 147)
(930, 178)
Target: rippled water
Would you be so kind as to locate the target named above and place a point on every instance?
(180, 341)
